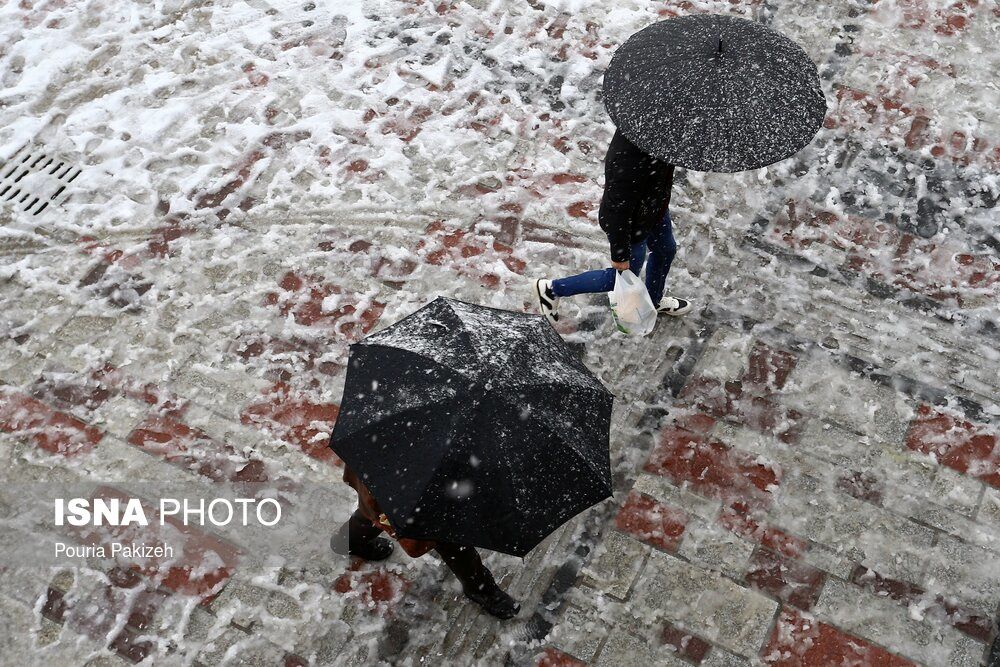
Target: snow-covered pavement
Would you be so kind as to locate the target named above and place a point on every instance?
(807, 467)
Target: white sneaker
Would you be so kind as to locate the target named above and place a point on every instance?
(548, 303)
(670, 305)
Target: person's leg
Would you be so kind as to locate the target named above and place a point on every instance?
(477, 581)
(588, 282)
(467, 566)
(361, 531)
(662, 250)
(599, 280)
(363, 539)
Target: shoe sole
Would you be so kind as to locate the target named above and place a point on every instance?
(677, 313)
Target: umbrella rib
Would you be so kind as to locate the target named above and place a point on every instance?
(393, 415)
(469, 416)
(567, 444)
(558, 383)
(416, 353)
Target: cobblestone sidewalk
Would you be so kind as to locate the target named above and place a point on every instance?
(807, 467)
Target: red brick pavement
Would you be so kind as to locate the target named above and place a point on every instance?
(799, 640)
(790, 581)
(552, 657)
(686, 645)
(652, 522)
(51, 430)
(293, 417)
(378, 588)
(934, 606)
(969, 448)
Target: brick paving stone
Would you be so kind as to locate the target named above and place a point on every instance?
(821, 388)
(800, 640)
(225, 390)
(968, 572)
(989, 509)
(752, 523)
(662, 490)
(686, 645)
(710, 605)
(580, 633)
(295, 418)
(793, 582)
(828, 561)
(377, 588)
(940, 609)
(551, 657)
(616, 564)
(712, 546)
(859, 530)
(709, 467)
(119, 415)
(726, 355)
(623, 647)
(19, 366)
(49, 429)
(968, 448)
(655, 523)
(718, 657)
(885, 622)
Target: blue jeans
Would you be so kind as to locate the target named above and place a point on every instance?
(662, 248)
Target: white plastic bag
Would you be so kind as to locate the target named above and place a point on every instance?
(631, 307)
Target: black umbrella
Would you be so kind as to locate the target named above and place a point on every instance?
(714, 93)
(475, 426)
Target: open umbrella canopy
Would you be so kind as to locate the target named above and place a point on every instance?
(714, 93)
(475, 426)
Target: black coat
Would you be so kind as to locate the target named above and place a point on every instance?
(636, 195)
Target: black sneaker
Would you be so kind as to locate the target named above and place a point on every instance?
(548, 302)
(495, 602)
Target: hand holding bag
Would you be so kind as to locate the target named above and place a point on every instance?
(631, 307)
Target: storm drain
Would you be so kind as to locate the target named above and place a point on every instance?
(34, 179)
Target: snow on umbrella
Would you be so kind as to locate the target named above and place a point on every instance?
(475, 426)
(714, 93)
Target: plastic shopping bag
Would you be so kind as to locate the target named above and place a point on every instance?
(631, 307)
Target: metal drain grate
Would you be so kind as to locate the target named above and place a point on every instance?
(33, 179)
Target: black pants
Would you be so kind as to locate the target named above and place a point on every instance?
(464, 562)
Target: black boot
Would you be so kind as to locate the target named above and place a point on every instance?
(495, 602)
(375, 549)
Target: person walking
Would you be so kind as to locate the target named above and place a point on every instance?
(364, 539)
(705, 92)
(635, 215)
(447, 449)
